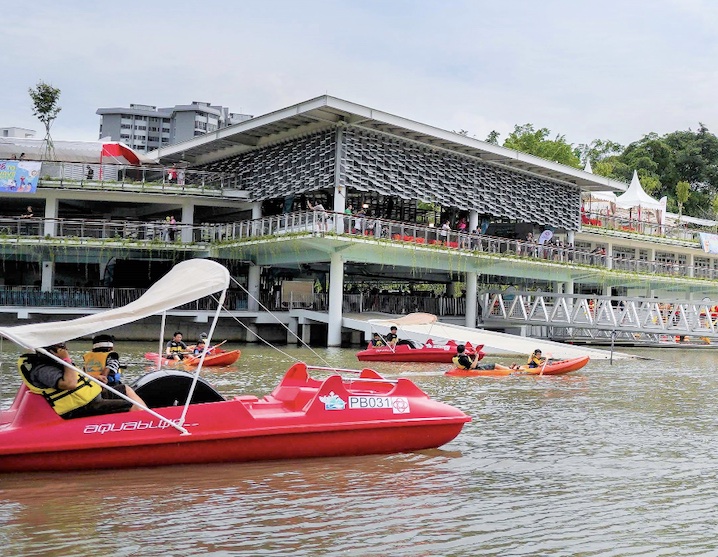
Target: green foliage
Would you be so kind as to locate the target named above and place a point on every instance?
(493, 137)
(683, 192)
(536, 142)
(44, 103)
(611, 167)
(681, 156)
(599, 150)
(650, 183)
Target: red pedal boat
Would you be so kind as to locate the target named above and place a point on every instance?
(302, 417)
(555, 368)
(185, 421)
(429, 352)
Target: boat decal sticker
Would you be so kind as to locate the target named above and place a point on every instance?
(130, 426)
(333, 402)
(397, 404)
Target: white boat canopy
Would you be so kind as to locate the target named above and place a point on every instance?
(186, 282)
(410, 319)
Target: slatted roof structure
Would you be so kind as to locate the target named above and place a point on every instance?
(319, 147)
(326, 112)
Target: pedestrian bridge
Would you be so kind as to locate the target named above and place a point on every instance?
(586, 317)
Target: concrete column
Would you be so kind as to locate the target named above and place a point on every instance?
(568, 290)
(251, 333)
(256, 214)
(691, 262)
(473, 220)
(652, 258)
(51, 213)
(253, 287)
(471, 301)
(340, 191)
(48, 276)
(293, 331)
(306, 333)
(336, 299)
(570, 236)
(187, 222)
(609, 255)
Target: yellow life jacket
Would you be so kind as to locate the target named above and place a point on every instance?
(455, 359)
(61, 400)
(95, 362)
(534, 359)
(177, 348)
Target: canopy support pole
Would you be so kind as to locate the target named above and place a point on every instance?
(220, 306)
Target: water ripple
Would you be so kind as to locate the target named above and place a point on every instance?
(614, 460)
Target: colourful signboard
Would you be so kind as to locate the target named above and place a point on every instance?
(19, 176)
(709, 242)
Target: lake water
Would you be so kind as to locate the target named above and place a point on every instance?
(612, 460)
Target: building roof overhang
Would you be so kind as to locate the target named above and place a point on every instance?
(327, 111)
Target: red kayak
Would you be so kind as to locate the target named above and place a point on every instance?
(302, 417)
(220, 359)
(556, 368)
(429, 352)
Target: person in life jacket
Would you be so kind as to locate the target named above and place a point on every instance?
(176, 349)
(535, 359)
(462, 359)
(103, 362)
(66, 391)
(196, 349)
(199, 347)
(392, 337)
(377, 341)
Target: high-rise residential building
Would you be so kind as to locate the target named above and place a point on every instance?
(146, 128)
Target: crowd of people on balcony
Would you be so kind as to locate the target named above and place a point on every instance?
(360, 222)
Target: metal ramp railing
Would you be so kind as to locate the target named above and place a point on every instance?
(575, 315)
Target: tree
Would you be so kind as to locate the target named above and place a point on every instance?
(598, 150)
(493, 137)
(44, 107)
(535, 142)
(683, 192)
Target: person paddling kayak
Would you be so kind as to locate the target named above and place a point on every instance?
(535, 359)
(463, 361)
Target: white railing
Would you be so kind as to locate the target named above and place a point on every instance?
(325, 223)
(604, 313)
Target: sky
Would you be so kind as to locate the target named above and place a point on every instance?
(611, 70)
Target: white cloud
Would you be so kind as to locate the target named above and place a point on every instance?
(610, 70)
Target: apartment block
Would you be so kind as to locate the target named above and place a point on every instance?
(147, 128)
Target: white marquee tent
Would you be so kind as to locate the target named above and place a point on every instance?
(636, 198)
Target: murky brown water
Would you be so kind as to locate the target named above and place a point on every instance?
(611, 460)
